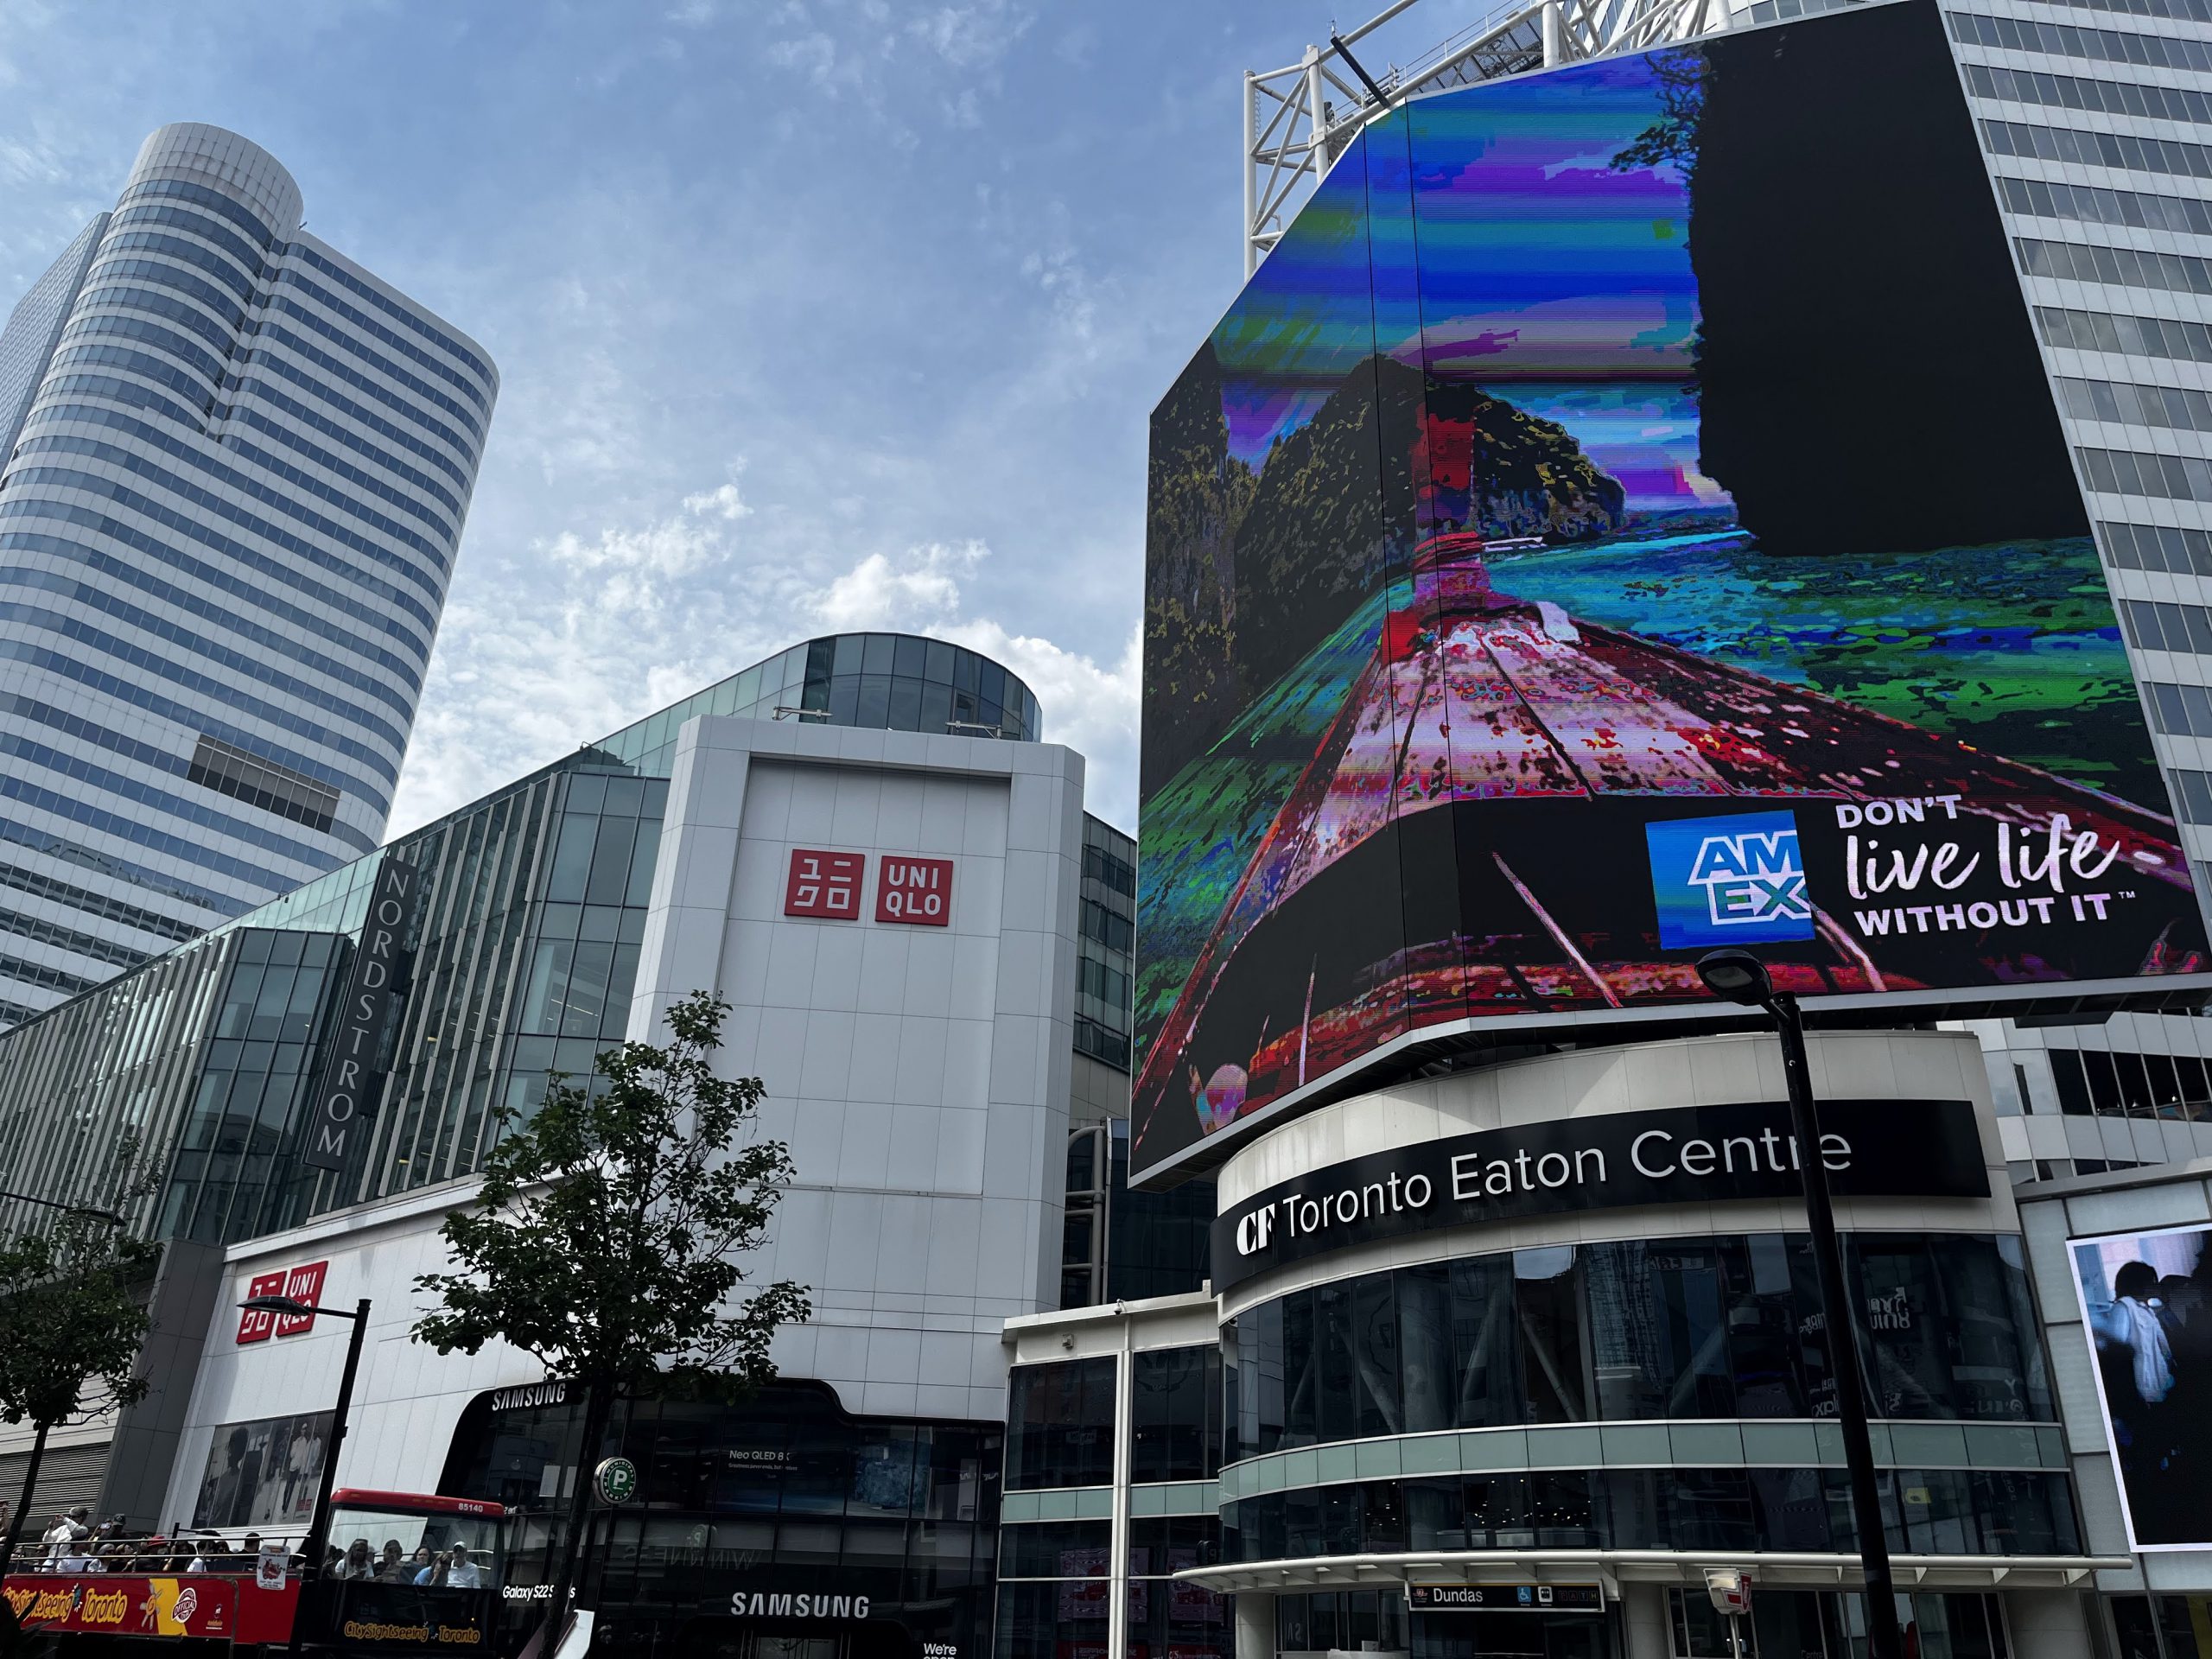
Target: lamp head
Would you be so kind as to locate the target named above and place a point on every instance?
(278, 1305)
(1736, 976)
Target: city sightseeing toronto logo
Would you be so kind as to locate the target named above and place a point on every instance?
(1739, 880)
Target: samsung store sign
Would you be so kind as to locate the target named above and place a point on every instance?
(1691, 1154)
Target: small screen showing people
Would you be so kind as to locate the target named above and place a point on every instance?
(2148, 1301)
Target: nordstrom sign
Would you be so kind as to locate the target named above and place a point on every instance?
(349, 1072)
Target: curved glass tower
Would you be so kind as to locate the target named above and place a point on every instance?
(237, 469)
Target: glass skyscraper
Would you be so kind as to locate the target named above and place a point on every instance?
(236, 465)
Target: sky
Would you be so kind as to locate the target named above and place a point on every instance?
(810, 314)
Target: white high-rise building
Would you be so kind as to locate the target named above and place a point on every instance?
(236, 470)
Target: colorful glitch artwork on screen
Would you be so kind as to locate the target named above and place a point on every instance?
(1626, 514)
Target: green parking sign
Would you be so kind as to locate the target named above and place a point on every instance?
(616, 1480)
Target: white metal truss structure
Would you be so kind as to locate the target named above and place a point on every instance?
(1299, 118)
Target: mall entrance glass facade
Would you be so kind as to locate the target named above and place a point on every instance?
(745, 1509)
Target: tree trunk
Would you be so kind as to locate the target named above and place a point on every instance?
(23, 1502)
(599, 1408)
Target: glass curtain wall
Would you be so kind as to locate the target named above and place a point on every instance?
(1931, 1511)
(230, 1176)
(879, 681)
(787, 1492)
(98, 1088)
(1681, 1328)
(1059, 1425)
(1105, 948)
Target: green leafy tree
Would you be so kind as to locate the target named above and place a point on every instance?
(72, 1304)
(606, 1239)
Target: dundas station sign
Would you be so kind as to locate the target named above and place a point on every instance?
(1684, 1154)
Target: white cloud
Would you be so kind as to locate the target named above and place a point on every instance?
(879, 593)
(599, 629)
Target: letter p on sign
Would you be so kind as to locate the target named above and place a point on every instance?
(916, 890)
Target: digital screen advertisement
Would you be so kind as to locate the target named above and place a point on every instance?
(1626, 515)
(263, 1473)
(2146, 1309)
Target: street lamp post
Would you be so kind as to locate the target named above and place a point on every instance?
(319, 1524)
(108, 1216)
(1741, 977)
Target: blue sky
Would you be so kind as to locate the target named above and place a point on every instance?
(810, 314)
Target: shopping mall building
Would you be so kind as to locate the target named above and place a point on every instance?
(924, 943)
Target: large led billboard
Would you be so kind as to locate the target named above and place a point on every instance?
(2146, 1311)
(1627, 513)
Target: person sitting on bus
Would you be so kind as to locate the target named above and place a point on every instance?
(425, 1563)
(359, 1563)
(199, 1563)
(462, 1572)
(393, 1568)
(68, 1528)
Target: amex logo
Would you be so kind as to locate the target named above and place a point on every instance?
(1738, 880)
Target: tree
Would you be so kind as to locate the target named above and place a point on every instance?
(73, 1306)
(605, 1238)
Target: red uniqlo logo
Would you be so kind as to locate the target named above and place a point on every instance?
(302, 1285)
(825, 884)
(918, 890)
(256, 1324)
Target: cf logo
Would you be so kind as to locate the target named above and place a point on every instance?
(1255, 1230)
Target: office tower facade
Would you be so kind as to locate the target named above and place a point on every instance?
(237, 469)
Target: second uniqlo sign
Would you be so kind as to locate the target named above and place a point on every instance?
(918, 890)
(824, 884)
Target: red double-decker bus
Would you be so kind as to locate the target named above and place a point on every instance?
(402, 1572)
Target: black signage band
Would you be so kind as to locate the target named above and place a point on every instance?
(1683, 1154)
(349, 1061)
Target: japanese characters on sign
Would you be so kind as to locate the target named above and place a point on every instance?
(824, 884)
(300, 1284)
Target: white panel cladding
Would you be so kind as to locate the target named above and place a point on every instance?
(919, 1074)
(1644, 1077)
(407, 1398)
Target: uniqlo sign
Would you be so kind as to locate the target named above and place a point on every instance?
(301, 1284)
(258, 1324)
(917, 890)
(824, 884)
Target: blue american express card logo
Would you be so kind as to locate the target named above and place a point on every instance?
(1738, 880)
